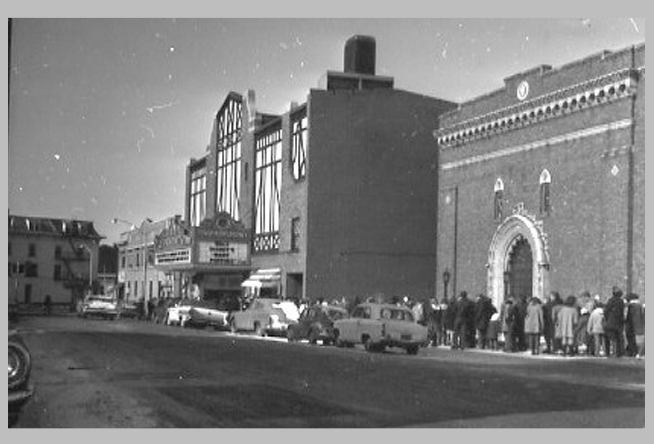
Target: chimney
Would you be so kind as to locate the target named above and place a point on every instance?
(360, 55)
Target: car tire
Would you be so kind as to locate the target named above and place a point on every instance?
(412, 350)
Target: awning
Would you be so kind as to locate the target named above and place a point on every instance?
(265, 277)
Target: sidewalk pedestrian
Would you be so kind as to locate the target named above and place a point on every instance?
(47, 305)
(567, 318)
(635, 326)
(614, 323)
(484, 310)
(557, 306)
(534, 324)
(595, 330)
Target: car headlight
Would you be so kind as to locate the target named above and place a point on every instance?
(20, 364)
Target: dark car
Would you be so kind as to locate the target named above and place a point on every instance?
(317, 323)
(19, 369)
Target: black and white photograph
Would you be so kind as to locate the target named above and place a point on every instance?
(326, 223)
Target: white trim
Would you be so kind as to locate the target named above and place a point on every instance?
(588, 132)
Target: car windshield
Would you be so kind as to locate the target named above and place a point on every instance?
(336, 314)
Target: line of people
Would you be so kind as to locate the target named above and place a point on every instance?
(576, 325)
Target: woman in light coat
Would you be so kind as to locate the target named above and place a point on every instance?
(534, 324)
(568, 318)
(595, 329)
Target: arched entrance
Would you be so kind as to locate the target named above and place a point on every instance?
(518, 275)
(518, 262)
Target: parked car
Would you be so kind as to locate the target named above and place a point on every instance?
(316, 323)
(99, 305)
(265, 316)
(378, 326)
(178, 314)
(213, 313)
(19, 369)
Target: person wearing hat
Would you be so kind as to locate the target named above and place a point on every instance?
(614, 323)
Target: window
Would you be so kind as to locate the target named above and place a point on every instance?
(57, 252)
(32, 250)
(228, 157)
(295, 234)
(298, 144)
(136, 288)
(499, 199)
(122, 260)
(31, 269)
(198, 195)
(267, 185)
(544, 189)
(57, 273)
(150, 290)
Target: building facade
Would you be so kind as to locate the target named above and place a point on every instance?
(338, 193)
(55, 257)
(138, 279)
(542, 183)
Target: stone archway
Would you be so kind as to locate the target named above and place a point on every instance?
(517, 228)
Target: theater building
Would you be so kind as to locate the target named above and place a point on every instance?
(337, 194)
(542, 182)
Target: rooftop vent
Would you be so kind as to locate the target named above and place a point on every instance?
(360, 55)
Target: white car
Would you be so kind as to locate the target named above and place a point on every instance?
(99, 305)
(265, 316)
(178, 314)
(378, 326)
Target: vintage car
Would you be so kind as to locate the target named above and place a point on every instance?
(19, 369)
(178, 314)
(214, 313)
(378, 326)
(99, 305)
(316, 324)
(265, 316)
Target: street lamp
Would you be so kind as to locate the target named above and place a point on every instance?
(115, 220)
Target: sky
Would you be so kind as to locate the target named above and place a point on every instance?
(105, 114)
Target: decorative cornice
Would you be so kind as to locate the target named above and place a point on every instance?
(583, 95)
(575, 135)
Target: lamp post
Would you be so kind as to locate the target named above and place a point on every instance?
(115, 220)
(446, 281)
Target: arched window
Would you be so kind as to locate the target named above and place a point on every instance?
(545, 182)
(499, 196)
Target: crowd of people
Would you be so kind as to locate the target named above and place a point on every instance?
(576, 325)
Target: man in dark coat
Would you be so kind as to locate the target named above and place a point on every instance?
(635, 326)
(464, 320)
(614, 323)
(484, 310)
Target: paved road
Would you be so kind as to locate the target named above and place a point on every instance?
(125, 374)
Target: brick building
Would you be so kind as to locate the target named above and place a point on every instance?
(47, 256)
(337, 193)
(542, 182)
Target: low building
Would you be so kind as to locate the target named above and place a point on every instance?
(55, 257)
(542, 183)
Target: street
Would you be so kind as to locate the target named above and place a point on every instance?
(130, 374)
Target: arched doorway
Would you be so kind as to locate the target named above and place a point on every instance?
(518, 276)
(518, 262)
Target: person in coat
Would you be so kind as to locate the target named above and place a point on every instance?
(614, 323)
(464, 321)
(595, 330)
(557, 306)
(484, 310)
(506, 320)
(567, 319)
(534, 324)
(635, 326)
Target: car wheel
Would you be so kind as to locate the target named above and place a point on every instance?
(368, 344)
(412, 350)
